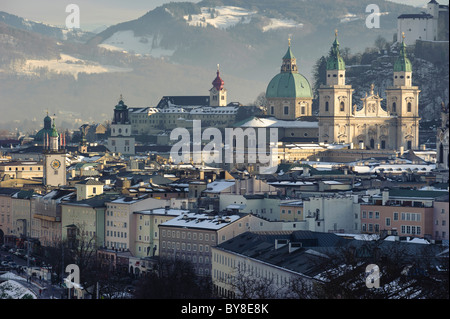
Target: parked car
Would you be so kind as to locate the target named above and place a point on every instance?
(12, 250)
(8, 258)
(4, 264)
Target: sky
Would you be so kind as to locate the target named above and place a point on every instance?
(97, 13)
(93, 13)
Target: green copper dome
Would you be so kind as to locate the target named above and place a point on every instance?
(402, 63)
(289, 85)
(47, 130)
(335, 61)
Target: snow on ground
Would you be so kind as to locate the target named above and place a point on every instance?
(281, 24)
(225, 17)
(13, 289)
(126, 41)
(70, 65)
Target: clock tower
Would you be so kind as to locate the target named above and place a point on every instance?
(54, 158)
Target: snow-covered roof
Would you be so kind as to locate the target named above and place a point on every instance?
(275, 123)
(204, 221)
(218, 186)
(163, 211)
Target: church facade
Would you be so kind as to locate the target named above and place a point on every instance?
(395, 127)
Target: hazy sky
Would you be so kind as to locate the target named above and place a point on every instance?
(92, 12)
(95, 13)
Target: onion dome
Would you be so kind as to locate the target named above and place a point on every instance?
(218, 82)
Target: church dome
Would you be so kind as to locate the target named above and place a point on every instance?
(218, 82)
(289, 83)
(47, 130)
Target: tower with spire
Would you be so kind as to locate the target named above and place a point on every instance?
(218, 94)
(54, 158)
(402, 101)
(335, 100)
(121, 141)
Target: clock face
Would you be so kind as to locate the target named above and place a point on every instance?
(55, 164)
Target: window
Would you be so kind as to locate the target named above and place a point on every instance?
(395, 216)
(342, 107)
(327, 106)
(286, 110)
(303, 110)
(370, 214)
(383, 145)
(364, 214)
(388, 221)
(408, 107)
(272, 111)
(394, 107)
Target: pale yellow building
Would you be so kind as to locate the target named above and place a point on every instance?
(371, 127)
(145, 224)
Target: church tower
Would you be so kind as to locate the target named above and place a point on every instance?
(54, 158)
(121, 140)
(218, 94)
(289, 94)
(335, 101)
(402, 102)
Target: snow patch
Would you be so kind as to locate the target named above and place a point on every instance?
(281, 24)
(126, 41)
(70, 65)
(223, 17)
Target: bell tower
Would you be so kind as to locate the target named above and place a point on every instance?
(335, 101)
(54, 158)
(121, 140)
(218, 94)
(402, 102)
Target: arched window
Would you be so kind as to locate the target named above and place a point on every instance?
(272, 110)
(408, 107)
(394, 107)
(342, 106)
(327, 106)
(303, 110)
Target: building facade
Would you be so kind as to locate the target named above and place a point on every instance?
(371, 127)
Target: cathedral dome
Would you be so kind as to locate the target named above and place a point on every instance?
(289, 85)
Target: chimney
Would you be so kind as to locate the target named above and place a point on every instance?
(385, 197)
